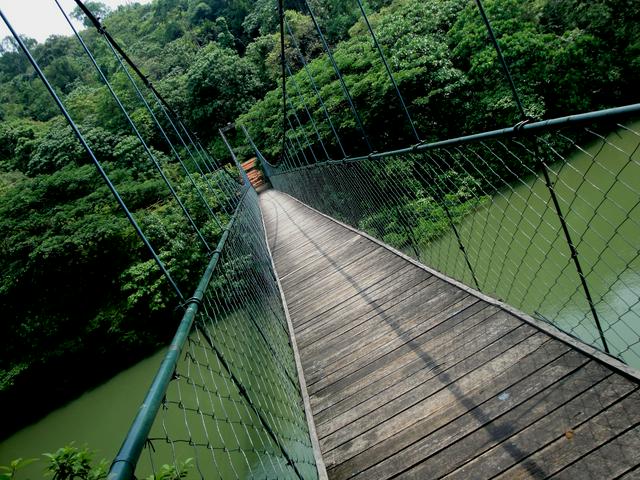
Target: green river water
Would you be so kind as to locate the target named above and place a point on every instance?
(519, 255)
(99, 418)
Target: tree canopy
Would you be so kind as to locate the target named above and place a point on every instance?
(77, 284)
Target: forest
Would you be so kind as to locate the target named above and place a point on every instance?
(80, 298)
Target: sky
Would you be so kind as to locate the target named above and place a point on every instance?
(40, 18)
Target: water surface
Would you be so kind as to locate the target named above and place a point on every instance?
(520, 255)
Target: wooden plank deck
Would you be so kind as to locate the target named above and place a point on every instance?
(411, 376)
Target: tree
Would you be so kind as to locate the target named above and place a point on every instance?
(217, 61)
(220, 85)
(99, 10)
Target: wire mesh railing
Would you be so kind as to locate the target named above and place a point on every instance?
(229, 404)
(481, 209)
(226, 400)
(543, 215)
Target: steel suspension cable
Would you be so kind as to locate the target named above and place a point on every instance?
(441, 199)
(306, 108)
(291, 158)
(315, 88)
(389, 72)
(103, 31)
(547, 179)
(145, 80)
(295, 137)
(164, 135)
(228, 184)
(189, 151)
(304, 132)
(265, 164)
(133, 126)
(503, 62)
(574, 251)
(284, 75)
(215, 164)
(287, 160)
(336, 69)
(94, 159)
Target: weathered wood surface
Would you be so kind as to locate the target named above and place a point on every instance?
(410, 376)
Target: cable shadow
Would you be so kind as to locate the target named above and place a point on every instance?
(497, 432)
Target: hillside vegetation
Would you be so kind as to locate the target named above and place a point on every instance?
(79, 297)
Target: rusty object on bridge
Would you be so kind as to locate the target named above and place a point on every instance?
(254, 173)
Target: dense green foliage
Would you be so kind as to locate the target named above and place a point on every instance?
(78, 291)
(566, 56)
(73, 463)
(80, 297)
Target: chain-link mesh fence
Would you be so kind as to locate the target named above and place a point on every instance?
(483, 213)
(233, 408)
(226, 401)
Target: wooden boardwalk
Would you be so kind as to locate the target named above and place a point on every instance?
(411, 376)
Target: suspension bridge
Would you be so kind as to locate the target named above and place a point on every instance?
(464, 308)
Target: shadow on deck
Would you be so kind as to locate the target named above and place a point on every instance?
(409, 375)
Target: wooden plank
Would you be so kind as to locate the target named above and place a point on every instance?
(378, 267)
(566, 449)
(464, 318)
(539, 358)
(282, 227)
(306, 248)
(292, 243)
(306, 258)
(329, 277)
(633, 474)
(309, 310)
(353, 275)
(302, 268)
(390, 328)
(297, 245)
(395, 374)
(521, 443)
(402, 306)
(616, 365)
(418, 404)
(495, 420)
(315, 444)
(321, 323)
(364, 305)
(412, 375)
(403, 328)
(608, 461)
(341, 330)
(286, 240)
(287, 216)
(369, 410)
